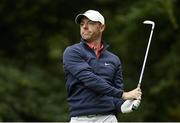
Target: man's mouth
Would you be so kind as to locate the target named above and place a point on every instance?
(85, 33)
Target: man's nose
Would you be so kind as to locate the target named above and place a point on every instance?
(85, 25)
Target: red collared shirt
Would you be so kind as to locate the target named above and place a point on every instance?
(97, 49)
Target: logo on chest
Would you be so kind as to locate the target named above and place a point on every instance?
(106, 64)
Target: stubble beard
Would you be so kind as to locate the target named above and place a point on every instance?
(90, 37)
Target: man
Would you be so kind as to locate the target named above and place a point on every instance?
(93, 74)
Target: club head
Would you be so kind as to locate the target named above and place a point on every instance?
(149, 22)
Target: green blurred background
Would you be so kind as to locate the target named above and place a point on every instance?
(34, 34)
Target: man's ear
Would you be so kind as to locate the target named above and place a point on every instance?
(103, 27)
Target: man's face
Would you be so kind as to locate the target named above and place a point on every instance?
(91, 30)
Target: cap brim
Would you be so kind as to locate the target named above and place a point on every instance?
(78, 18)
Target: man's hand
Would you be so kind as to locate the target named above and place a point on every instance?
(132, 100)
(132, 95)
(130, 105)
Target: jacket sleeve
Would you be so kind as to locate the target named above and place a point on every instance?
(79, 68)
(118, 77)
(118, 83)
(118, 102)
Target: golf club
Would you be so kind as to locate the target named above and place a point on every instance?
(130, 105)
(147, 50)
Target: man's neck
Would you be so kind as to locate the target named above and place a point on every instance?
(96, 43)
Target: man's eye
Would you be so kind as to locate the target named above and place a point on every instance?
(91, 23)
(81, 24)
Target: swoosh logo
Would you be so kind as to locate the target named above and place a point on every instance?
(106, 64)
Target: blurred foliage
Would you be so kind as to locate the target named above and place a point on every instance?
(30, 94)
(34, 34)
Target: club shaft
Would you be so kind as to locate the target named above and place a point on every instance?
(145, 58)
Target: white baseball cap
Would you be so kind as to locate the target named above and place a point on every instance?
(92, 15)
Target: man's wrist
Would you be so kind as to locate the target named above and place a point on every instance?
(124, 95)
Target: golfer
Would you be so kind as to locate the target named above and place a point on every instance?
(94, 79)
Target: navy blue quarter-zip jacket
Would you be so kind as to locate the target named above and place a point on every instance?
(94, 85)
